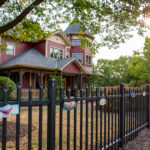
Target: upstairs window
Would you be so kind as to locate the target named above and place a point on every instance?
(88, 59)
(67, 55)
(56, 53)
(77, 43)
(10, 49)
(79, 57)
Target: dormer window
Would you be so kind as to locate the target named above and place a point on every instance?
(77, 43)
(10, 49)
(56, 53)
(88, 59)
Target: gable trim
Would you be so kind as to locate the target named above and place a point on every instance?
(60, 32)
(77, 62)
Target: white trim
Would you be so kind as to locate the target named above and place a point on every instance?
(74, 60)
(58, 49)
(14, 49)
(60, 32)
(85, 59)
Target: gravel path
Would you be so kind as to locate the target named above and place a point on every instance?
(141, 142)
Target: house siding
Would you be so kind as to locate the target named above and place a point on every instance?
(26, 80)
(21, 48)
(56, 45)
(77, 49)
(40, 47)
(72, 68)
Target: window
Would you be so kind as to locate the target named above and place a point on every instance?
(67, 55)
(77, 43)
(56, 53)
(11, 49)
(79, 57)
(88, 59)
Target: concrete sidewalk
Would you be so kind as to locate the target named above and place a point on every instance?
(141, 142)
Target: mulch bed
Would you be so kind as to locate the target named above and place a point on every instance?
(141, 142)
(11, 130)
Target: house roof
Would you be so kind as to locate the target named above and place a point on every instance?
(33, 58)
(90, 71)
(60, 32)
(74, 29)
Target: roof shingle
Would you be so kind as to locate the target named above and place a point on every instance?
(74, 29)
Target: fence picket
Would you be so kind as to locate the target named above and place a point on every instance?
(102, 125)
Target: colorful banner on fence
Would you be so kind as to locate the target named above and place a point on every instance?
(133, 95)
(102, 101)
(8, 110)
(68, 106)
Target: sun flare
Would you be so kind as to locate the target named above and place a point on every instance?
(147, 21)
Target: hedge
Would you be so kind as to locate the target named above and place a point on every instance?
(6, 81)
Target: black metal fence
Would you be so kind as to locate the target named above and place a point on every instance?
(90, 125)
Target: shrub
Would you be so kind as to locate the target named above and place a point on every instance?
(5, 81)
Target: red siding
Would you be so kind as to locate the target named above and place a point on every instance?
(40, 47)
(21, 48)
(72, 68)
(57, 45)
(77, 49)
(26, 80)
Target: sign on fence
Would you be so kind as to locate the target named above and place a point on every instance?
(102, 101)
(144, 93)
(7, 110)
(69, 106)
(133, 95)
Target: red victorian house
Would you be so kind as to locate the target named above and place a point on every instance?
(33, 63)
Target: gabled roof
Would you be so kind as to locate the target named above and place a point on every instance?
(61, 63)
(74, 29)
(60, 32)
(32, 58)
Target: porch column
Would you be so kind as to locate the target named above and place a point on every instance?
(81, 81)
(9, 74)
(21, 73)
(31, 79)
(41, 77)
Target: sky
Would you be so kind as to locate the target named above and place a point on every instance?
(126, 49)
(136, 43)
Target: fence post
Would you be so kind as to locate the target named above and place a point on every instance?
(51, 114)
(4, 121)
(122, 117)
(148, 105)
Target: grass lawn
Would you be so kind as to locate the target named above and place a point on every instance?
(35, 122)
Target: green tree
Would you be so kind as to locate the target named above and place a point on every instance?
(115, 71)
(5, 81)
(140, 66)
(114, 18)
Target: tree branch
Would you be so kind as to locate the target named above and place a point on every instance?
(20, 17)
(2, 2)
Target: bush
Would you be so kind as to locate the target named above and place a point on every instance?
(5, 81)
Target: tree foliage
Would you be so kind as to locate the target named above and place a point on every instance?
(133, 71)
(5, 81)
(115, 71)
(140, 66)
(113, 18)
